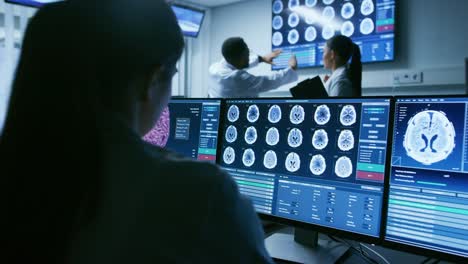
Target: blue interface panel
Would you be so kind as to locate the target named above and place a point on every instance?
(189, 127)
(318, 161)
(302, 27)
(428, 198)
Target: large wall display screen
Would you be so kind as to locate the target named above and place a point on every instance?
(302, 27)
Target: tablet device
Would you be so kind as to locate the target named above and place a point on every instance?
(309, 88)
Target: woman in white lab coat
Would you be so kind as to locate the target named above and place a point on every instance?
(345, 79)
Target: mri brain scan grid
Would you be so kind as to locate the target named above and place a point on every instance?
(317, 140)
(292, 157)
(303, 26)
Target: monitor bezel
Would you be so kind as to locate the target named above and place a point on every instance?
(395, 41)
(400, 245)
(314, 227)
(192, 9)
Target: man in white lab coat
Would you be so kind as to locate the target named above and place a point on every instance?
(229, 77)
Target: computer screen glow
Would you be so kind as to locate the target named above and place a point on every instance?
(303, 27)
(188, 127)
(318, 161)
(428, 198)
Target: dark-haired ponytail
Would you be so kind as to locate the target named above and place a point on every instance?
(355, 71)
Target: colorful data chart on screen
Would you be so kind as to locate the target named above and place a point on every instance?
(428, 199)
(315, 161)
(191, 126)
(302, 27)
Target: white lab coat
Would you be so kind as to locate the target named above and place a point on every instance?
(339, 84)
(228, 82)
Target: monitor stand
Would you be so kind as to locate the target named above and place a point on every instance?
(304, 246)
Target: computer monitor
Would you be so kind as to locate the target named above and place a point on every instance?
(190, 19)
(189, 127)
(303, 28)
(428, 195)
(319, 162)
(32, 3)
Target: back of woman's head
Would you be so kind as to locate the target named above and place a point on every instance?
(345, 49)
(78, 57)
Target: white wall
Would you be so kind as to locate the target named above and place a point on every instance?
(431, 38)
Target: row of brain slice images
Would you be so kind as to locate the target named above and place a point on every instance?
(320, 139)
(322, 114)
(317, 166)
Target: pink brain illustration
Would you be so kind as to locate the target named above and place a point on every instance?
(159, 134)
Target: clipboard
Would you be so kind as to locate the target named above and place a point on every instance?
(309, 88)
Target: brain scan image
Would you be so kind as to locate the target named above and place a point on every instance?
(328, 32)
(253, 113)
(343, 167)
(347, 11)
(277, 6)
(367, 7)
(270, 160)
(317, 165)
(328, 13)
(367, 26)
(248, 158)
(272, 136)
(311, 3)
(322, 115)
(231, 134)
(430, 137)
(229, 155)
(310, 18)
(297, 114)
(159, 134)
(320, 139)
(293, 162)
(348, 115)
(277, 22)
(346, 140)
(347, 29)
(233, 113)
(293, 20)
(293, 4)
(328, 2)
(274, 114)
(277, 39)
(250, 135)
(293, 36)
(295, 138)
(310, 34)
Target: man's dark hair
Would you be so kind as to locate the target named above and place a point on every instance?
(233, 48)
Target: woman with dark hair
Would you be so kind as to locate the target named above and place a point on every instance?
(78, 183)
(345, 79)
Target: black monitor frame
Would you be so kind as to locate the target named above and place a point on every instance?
(406, 247)
(192, 9)
(315, 227)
